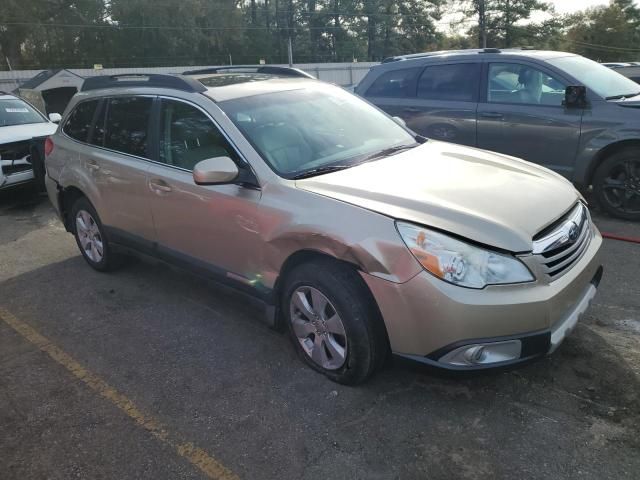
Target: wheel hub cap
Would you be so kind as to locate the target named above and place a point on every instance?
(318, 327)
(89, 236)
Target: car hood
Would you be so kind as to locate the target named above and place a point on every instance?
(17, 133)
(490, 198)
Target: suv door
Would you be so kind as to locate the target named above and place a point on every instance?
(438, 101)
(118, 167)
(521, 114)
(212, 227)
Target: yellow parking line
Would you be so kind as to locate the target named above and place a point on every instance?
(196, 456)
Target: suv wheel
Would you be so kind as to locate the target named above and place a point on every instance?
(333, 322)
(90, 236)
(616, 184)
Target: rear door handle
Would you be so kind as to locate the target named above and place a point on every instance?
(491, 114)
(159, 186)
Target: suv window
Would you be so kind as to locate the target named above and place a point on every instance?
(80, 120)
(523, 84)
(455, 82)
(188, 136)
(127, 125)
(396, 84)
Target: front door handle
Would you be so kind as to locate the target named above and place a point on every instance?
(159, 186)
(496, 115)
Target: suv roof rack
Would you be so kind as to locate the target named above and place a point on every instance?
(412, 56)
(158, 80)
(266, 69)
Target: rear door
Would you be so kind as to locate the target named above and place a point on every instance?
(438, 101)
(116, 163)
(521, 114)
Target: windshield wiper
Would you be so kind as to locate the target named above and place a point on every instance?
(320, 171)
(626, 95)
(388, 152)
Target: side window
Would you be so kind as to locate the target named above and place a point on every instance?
(523, 84)
(188, 136)
(395, 84)
(79, 123)
(97, 136)
(127, 125)
(455, 82)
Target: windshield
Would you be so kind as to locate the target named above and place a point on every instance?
(605, 82)
(313, 129)
(14, 111)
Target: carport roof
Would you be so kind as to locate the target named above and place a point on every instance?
(45, 75)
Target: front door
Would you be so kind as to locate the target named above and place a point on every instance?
(212, 228)
(522, 115)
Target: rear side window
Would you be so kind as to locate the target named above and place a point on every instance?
(188, 136)
(455, 82)
(127, 125)
(395, 84)
(80, 120)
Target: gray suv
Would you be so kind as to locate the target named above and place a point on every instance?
(555, 109)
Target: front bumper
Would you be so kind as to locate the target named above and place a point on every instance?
(434, 322)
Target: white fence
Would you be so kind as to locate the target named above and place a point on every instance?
(343, 74)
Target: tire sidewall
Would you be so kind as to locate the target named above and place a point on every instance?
(602, 172)
(84, 204)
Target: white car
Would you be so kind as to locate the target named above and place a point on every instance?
(22, 132)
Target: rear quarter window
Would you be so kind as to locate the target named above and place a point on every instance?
(79, 123)
(395, 84)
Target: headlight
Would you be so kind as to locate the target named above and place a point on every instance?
(460, 263)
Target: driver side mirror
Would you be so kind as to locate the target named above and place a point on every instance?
(55, 117)
(400, 121)
(575, 96)
(215, 171)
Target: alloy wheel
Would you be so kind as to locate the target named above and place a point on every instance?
(89, 236)
(318, 327)
(621, 186)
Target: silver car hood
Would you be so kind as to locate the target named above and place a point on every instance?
(17, 133)
(493, 199)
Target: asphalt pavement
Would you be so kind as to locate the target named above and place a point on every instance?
(149, 372)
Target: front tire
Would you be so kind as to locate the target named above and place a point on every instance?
(616, 184)
(90, 236)
(333, 321)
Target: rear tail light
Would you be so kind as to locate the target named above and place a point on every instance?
(48, 146)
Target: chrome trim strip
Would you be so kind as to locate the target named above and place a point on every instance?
(561, 235)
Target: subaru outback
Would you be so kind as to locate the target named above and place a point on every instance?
(359, 236)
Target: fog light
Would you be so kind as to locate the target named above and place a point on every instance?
(483, 353)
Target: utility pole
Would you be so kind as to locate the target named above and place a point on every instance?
(482, 23)
(290, 51)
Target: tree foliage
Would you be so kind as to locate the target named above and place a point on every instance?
(80, 33)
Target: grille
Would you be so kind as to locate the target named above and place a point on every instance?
(15, 157)
(560, 246)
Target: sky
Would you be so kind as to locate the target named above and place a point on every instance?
(561, 7)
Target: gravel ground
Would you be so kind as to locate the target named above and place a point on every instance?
(177, 363)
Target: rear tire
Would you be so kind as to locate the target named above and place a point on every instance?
(90, 236)
(616, 184)
(333, 321)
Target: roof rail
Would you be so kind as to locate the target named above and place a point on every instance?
(266, 69)
(490, 50)
(157, 80)
(412, 56)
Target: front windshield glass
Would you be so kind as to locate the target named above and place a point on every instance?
(605, 82)
(14, 111)
(314, 129)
